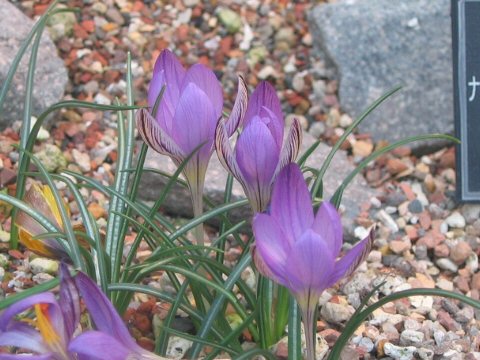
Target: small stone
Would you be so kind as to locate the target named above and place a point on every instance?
(460, 252)
(287, 35)
(317, 129)
(411, 337)
(191, 3)
(399, 352)
(96, 210)
(396, 166)
(298, 82)
(178, 347)
(387, 220)
(82, 160)
(114, 15)
(336, 313)
(3, 260)
(447, 264)
(345, 121)
(362, 148)
(400, 246)
(41, 278)
(444, 284)
(415, 207)
(230, 19)
(266, 72)
(456, 220)
(42, 265)
(52, 158)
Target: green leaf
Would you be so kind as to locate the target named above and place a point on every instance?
(294, 331)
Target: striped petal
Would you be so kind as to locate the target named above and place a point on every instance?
(155, 137)
(291, 146)
(239, 108)
(225, 152)
(351, 260)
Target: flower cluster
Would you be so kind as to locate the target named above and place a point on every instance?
(184, 120)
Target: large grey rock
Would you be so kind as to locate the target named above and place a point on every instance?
(178, 201)
(378, 44)
(50, 73)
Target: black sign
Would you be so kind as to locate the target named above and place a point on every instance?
(466, 65)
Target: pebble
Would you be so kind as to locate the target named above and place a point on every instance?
(177, 347)
(460, 252)
(82, 160)
(411, 337)
(317, 129)
(447, 264)
(456, 220)
(42, 265)
(230, 19)
(336, 313)
(399, 352)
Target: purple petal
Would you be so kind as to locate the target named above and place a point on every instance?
(94, 344)
(327, 223)
(291, 204)
(25, 338)
(351, 260)
(155, 137)
(264, 96)
(205, 80)
(103, 313)
(225, 152)
(239, 108)
(69, 301)
(310, 264)
(257, 158)
(291, 146)
(272, 248)
(167, 72)
(194, 122)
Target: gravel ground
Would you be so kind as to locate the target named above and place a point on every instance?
(424, 239)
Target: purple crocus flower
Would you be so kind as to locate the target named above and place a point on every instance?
(258, 156)
(186, 117)
(56, 322)
(299, 250)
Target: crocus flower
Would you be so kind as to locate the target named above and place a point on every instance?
(56, 322)
(186, 117)
(258, 156)
(41, 198)
(299, 250)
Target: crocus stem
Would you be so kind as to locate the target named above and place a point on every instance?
(308, 321)
(196, 189)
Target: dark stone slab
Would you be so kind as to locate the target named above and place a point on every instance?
(50, 73)
(378, 44)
